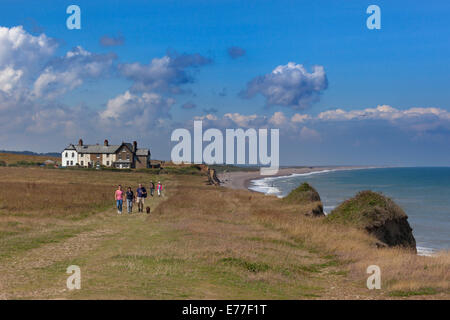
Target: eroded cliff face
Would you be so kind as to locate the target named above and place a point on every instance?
(379, 216)
(212, 177)
(396, 232)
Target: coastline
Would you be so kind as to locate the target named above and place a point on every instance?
(242, 179)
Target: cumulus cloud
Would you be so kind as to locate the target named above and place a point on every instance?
(418, 121)
(138, 111)
(289, 85)
(231, 120)
(300, 117)
(206, 117)
(385, 112)
(70, 71)
(9, 78)
(30, 72)
(21, 50)
(22, 56)
(166, 74)
(235, 52)
(278, 119)
(112, 41)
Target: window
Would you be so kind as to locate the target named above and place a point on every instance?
(71, 163)
(128, 156)
(68, 163)
(107, 155)
(67, 154)
(107, 163)
(98, 155)
(73, 154)
(82, 162)
(120, 156)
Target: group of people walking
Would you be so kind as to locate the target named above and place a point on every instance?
(139, 197)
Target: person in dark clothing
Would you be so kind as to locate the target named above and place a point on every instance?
(152, 188)
(141, 194)
(130, 199)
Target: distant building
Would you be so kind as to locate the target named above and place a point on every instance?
(125, 155)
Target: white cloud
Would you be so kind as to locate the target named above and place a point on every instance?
(210, 117)
(242, 120)
(138, 111)
(278, 119)
(19, 49)
(289, 85)
(385, 112)
(22, 56)
(165, 74)
(300, 118)
(417, 120)
(9, 78)
(69, 72)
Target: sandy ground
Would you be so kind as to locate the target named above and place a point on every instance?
(241, 179)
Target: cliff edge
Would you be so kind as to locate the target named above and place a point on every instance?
(379, 216)
(306, 195)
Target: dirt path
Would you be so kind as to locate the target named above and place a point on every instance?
(40, 272)
(202, 243)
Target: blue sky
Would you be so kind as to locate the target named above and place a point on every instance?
(390, 84)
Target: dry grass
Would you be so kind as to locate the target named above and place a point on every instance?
(10, 158)
(403, 273)
(53, 199)
(200, 242)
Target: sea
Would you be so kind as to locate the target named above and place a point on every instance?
(423, 193)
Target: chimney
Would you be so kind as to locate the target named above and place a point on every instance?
(134, 146)
(105, 143)
(80, 142)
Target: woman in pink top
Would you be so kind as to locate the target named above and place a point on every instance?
(118, 196)
(159, 188)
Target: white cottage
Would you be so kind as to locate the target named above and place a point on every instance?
(69, 156)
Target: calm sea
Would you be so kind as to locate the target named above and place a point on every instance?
(424, 194)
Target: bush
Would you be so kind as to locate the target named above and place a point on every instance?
(365, 209)
(302, 194)
(23, 163)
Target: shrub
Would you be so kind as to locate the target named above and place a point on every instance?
(366, 208)
(302, 194)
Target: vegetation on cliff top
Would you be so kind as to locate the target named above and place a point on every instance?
(366, 209)
(302, 194)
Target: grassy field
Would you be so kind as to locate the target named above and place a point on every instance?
(199, 242)
(12, 158)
